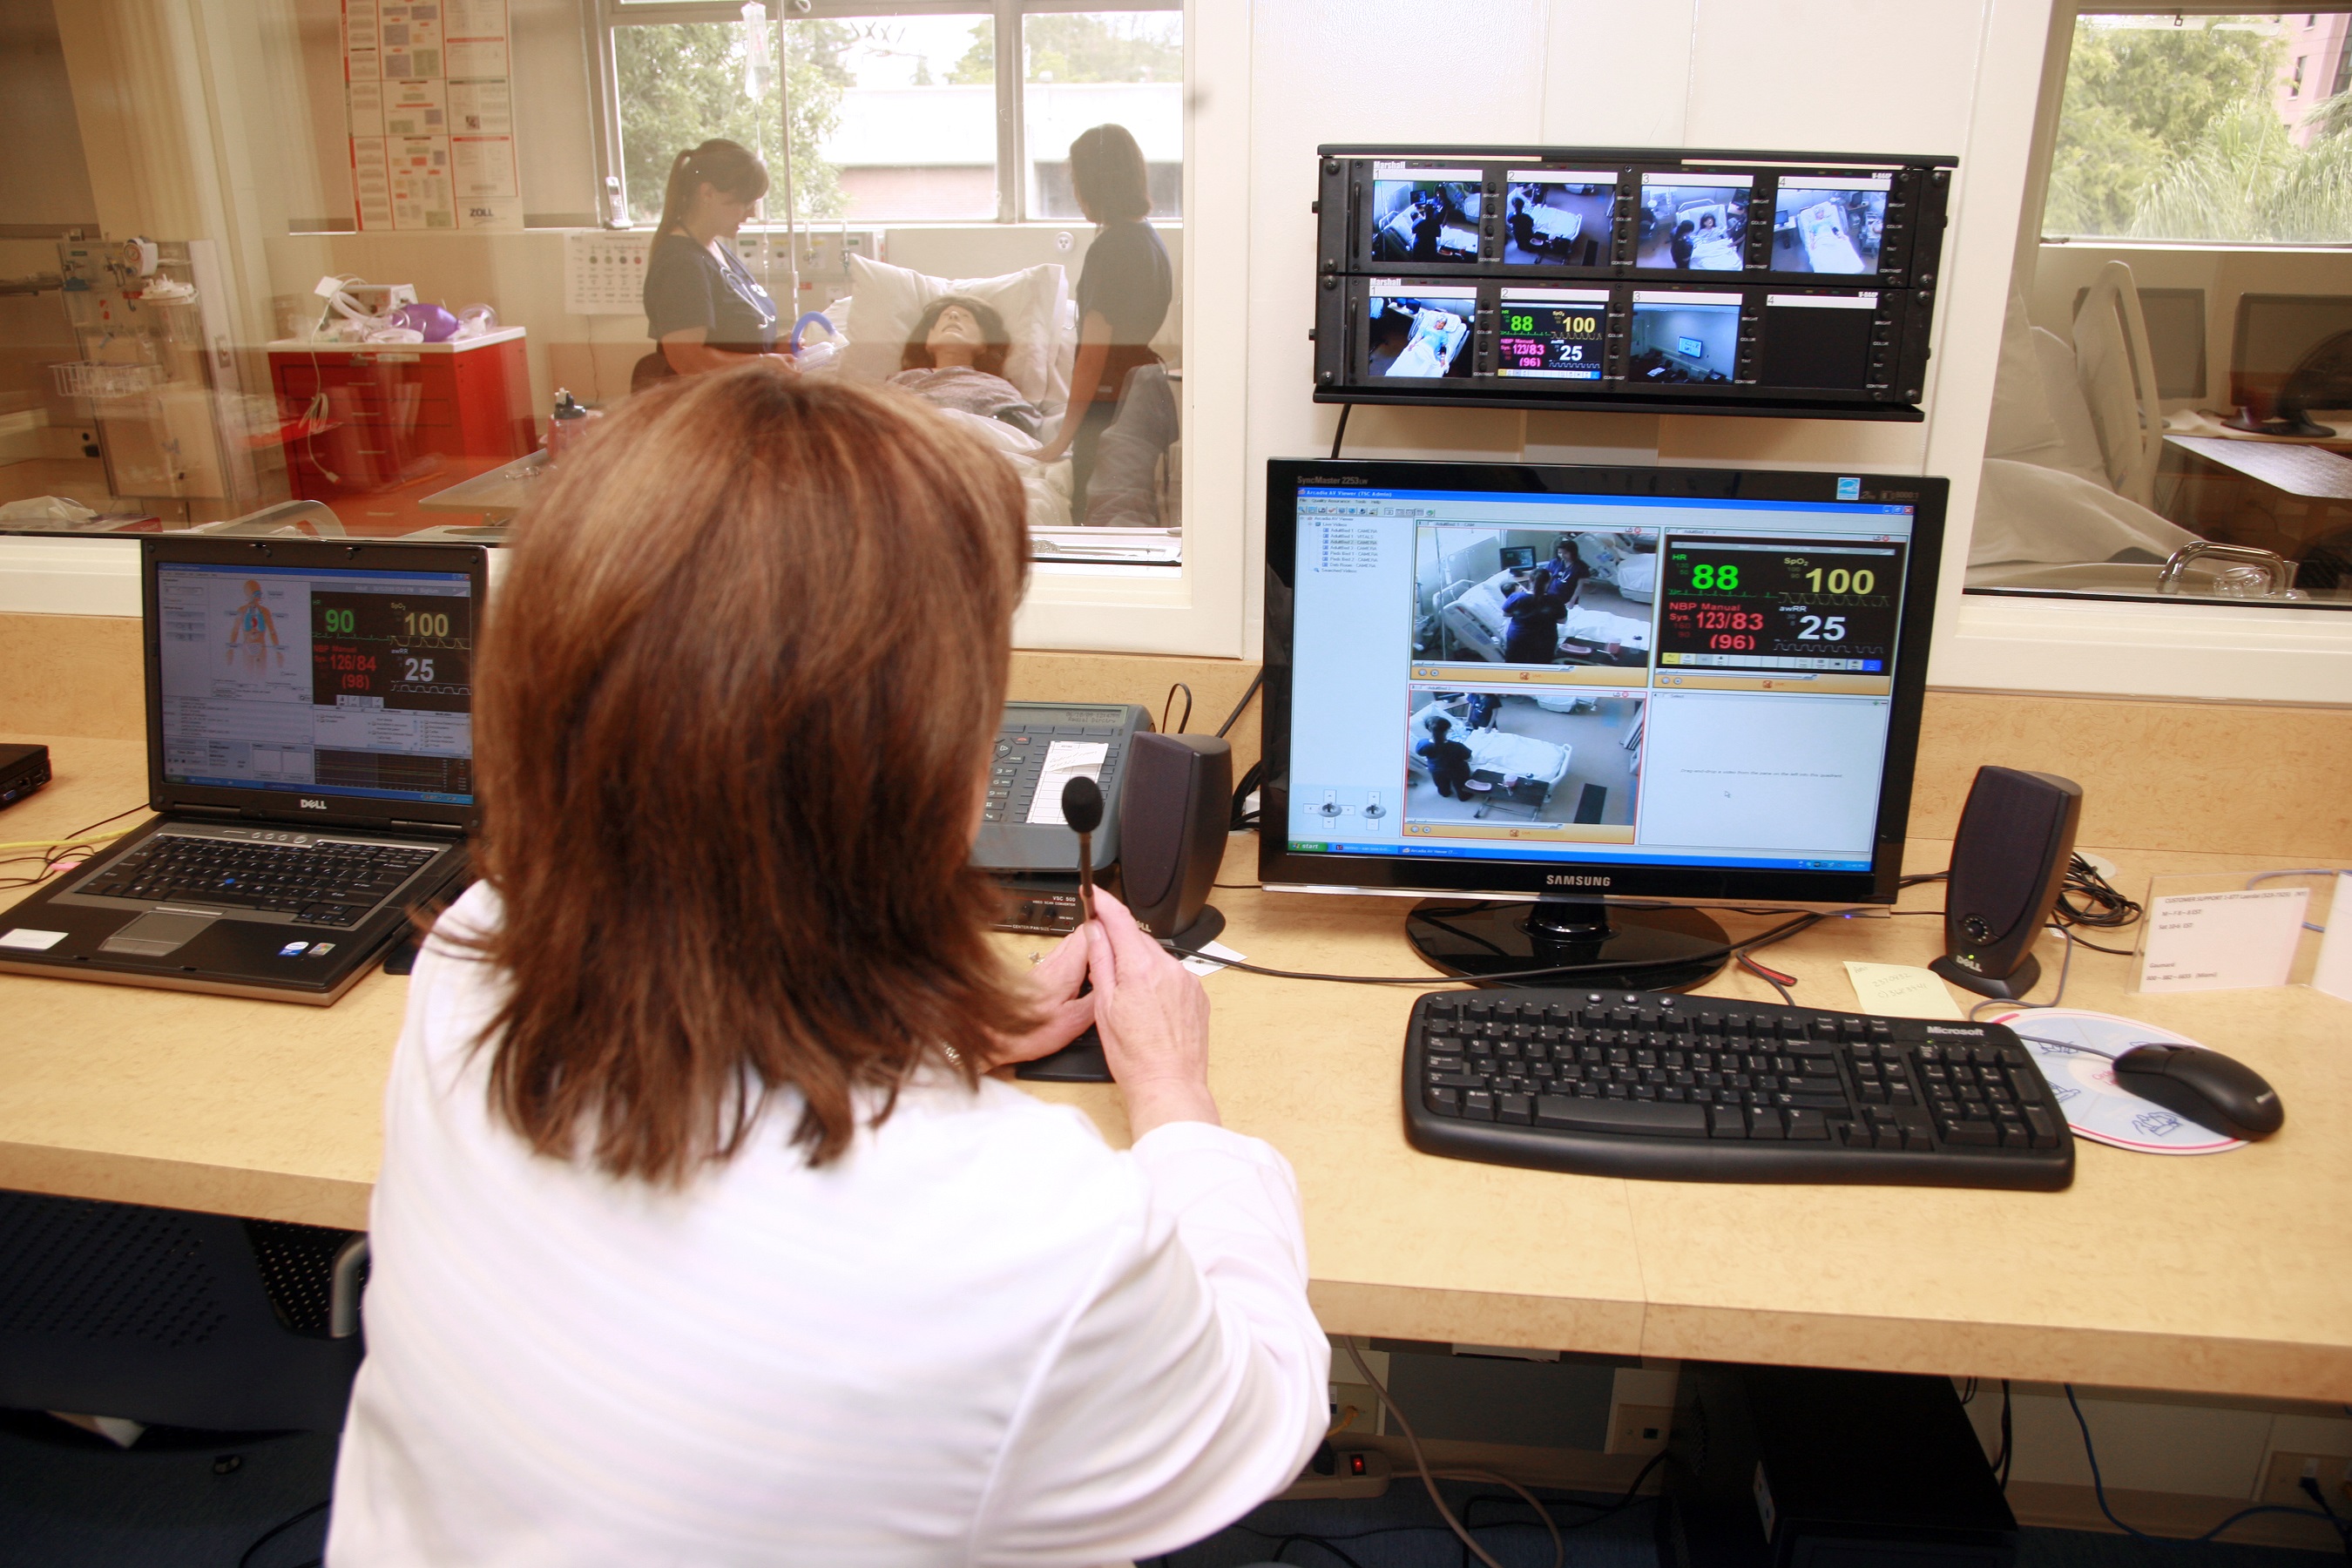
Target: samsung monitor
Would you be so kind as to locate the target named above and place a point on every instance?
(1605, 697)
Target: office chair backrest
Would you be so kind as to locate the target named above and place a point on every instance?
(175, 1318)
(2117, 369)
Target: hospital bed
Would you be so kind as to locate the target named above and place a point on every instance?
(1820, 228)
(1520, 769)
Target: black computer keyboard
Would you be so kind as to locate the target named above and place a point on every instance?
(1697, 1088)
(322, 883)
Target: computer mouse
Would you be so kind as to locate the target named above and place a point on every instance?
(2210, 1088)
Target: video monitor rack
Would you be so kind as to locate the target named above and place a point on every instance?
(1661, 281)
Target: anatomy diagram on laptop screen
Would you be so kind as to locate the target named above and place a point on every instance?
(343, 682)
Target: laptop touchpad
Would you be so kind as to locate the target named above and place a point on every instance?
(153, 935)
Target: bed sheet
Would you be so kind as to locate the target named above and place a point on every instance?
(1517, 756)
(1044, 486)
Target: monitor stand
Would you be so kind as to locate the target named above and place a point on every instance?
(1637, 948)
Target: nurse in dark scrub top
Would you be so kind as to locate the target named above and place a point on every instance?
(703, 307)
(1123, 292)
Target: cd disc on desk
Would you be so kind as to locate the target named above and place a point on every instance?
(2076, 1051)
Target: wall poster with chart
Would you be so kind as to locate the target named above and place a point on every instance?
(430, 102)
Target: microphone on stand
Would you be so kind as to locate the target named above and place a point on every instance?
(1082, 808)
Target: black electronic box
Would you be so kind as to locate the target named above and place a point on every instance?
(1785, 1467)
(23, 770)
(1628, 279)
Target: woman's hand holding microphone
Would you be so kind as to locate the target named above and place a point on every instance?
(1150, 1010)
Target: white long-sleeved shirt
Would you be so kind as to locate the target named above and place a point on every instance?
(982, 1336)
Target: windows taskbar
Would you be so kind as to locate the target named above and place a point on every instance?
(1582, 854)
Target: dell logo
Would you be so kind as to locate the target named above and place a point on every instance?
(1576, 881)
(306, 804)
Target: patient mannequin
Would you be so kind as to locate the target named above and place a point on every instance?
(955, 357)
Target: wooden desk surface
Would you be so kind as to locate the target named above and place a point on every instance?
(2227, 1274)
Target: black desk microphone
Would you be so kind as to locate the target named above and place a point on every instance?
(1080, 1061)
(1082, 808)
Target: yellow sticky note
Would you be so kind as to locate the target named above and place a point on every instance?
(1900, 991)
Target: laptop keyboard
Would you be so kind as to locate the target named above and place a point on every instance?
(324, 883)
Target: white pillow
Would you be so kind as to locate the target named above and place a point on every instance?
(885, 300)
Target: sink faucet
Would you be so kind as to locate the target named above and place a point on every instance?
(2277, 570)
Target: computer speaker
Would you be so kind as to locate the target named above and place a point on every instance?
(2009, 862)
(1173, 813)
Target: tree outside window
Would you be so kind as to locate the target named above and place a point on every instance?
(2190, 129)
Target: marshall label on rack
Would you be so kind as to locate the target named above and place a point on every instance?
(1792, 284)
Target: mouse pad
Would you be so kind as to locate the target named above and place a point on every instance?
(2097, 1107)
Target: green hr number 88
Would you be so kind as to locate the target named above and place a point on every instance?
(1723, 579)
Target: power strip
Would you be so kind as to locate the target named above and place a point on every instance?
(1335, 1473)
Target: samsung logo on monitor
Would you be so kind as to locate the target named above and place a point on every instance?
(1556, 881)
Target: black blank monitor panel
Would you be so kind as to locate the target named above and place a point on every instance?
(1706, 687)
(2275, 331)
(1789, 284)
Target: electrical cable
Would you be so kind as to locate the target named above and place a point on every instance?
(2307, 872)
(1421, 1461)
(1559, 1545)
(1164, 702)
(1287, 1542)
(1257, 681)
(2099, 1492)
(2102, 908)
(280, 1527)
(2055, 998)
(2008, 1438)
(1340, 433)
(1772, 977)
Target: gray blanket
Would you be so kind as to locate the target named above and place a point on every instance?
(974, 391)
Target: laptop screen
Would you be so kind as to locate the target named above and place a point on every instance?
(322, 681)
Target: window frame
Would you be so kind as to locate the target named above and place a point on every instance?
(2049, 108)
(1201, 610)
(2088, 648)
(603, 17)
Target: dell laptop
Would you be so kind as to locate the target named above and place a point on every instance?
(310, 755)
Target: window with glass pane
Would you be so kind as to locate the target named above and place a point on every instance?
(2173, 407)
(901, 118)
(1091, 68)
(682, 83)
(2227, 128)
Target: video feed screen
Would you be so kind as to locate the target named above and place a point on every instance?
(1418, 333)
(324, 681)
(1681, 338)
(1573, 605)
(1818, 340)
(1825, 224)
(1558, 217)
(1558, 334)
(1554, 764)
(1774, 606)
(1693, 223)
(1425, 215)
